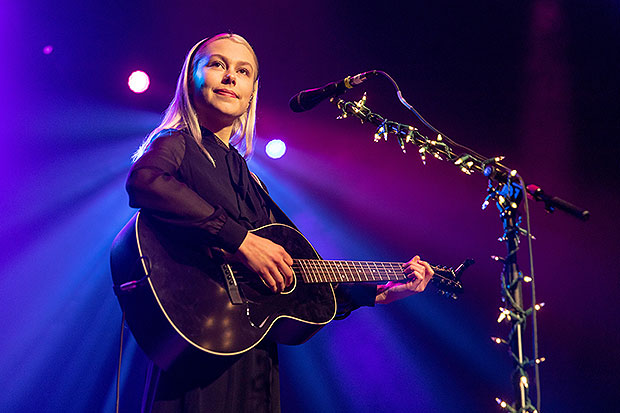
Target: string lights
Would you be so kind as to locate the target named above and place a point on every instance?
(506, 189)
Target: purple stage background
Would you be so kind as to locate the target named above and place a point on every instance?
(536, 81)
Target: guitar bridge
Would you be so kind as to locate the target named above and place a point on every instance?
(231, 285)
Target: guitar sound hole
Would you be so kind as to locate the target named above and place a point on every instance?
(247, 279)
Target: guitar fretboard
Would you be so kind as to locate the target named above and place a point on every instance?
(321, 271)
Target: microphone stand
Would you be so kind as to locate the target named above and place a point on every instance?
(508, 195)
(507, 189)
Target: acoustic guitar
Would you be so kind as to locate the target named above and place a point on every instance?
(180, 300)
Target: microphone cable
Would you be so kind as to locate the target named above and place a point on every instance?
(535, 344)
(404, 102)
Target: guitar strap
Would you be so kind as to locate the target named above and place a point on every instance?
(278, 214)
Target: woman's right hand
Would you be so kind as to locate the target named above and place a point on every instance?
(269, 260)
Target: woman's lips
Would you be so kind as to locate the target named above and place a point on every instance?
(226, 92)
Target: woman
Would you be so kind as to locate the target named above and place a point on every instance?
(189, 174)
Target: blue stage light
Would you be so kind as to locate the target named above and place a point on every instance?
(275, 149)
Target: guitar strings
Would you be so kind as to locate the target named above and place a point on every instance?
(327, 269)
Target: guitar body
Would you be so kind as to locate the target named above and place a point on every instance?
(186, 305)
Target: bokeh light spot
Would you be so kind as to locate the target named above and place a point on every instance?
(138, 81)
(48, 49)
(275, 149)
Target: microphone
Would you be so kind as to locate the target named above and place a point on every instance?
(551, 202)
(307, 99)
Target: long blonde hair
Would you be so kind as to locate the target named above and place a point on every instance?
(181, 114)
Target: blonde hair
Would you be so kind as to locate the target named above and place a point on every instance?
(181, 114)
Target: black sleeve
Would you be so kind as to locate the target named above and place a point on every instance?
(155, 185)
(351, 296)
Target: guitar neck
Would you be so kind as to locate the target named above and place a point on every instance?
(321, 271)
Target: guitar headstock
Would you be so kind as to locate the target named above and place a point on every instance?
(448, 280)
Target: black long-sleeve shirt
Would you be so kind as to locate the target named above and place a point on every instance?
(176, 183)
(216, 203)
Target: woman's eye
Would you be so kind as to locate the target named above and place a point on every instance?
(216, 63)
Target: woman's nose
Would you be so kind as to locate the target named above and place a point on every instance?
(229, 77)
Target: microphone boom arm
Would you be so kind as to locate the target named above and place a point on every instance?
(439, 148)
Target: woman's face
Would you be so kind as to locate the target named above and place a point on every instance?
(223, 81)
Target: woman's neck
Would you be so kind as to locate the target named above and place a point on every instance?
(222, 129)
(221, 133)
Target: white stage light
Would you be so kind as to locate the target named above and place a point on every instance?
(138, 81)
(275, 149)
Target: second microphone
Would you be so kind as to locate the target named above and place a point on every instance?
(307, 99)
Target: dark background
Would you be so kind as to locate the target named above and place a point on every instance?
(536, 81)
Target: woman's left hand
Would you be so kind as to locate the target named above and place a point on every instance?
(420, 273)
